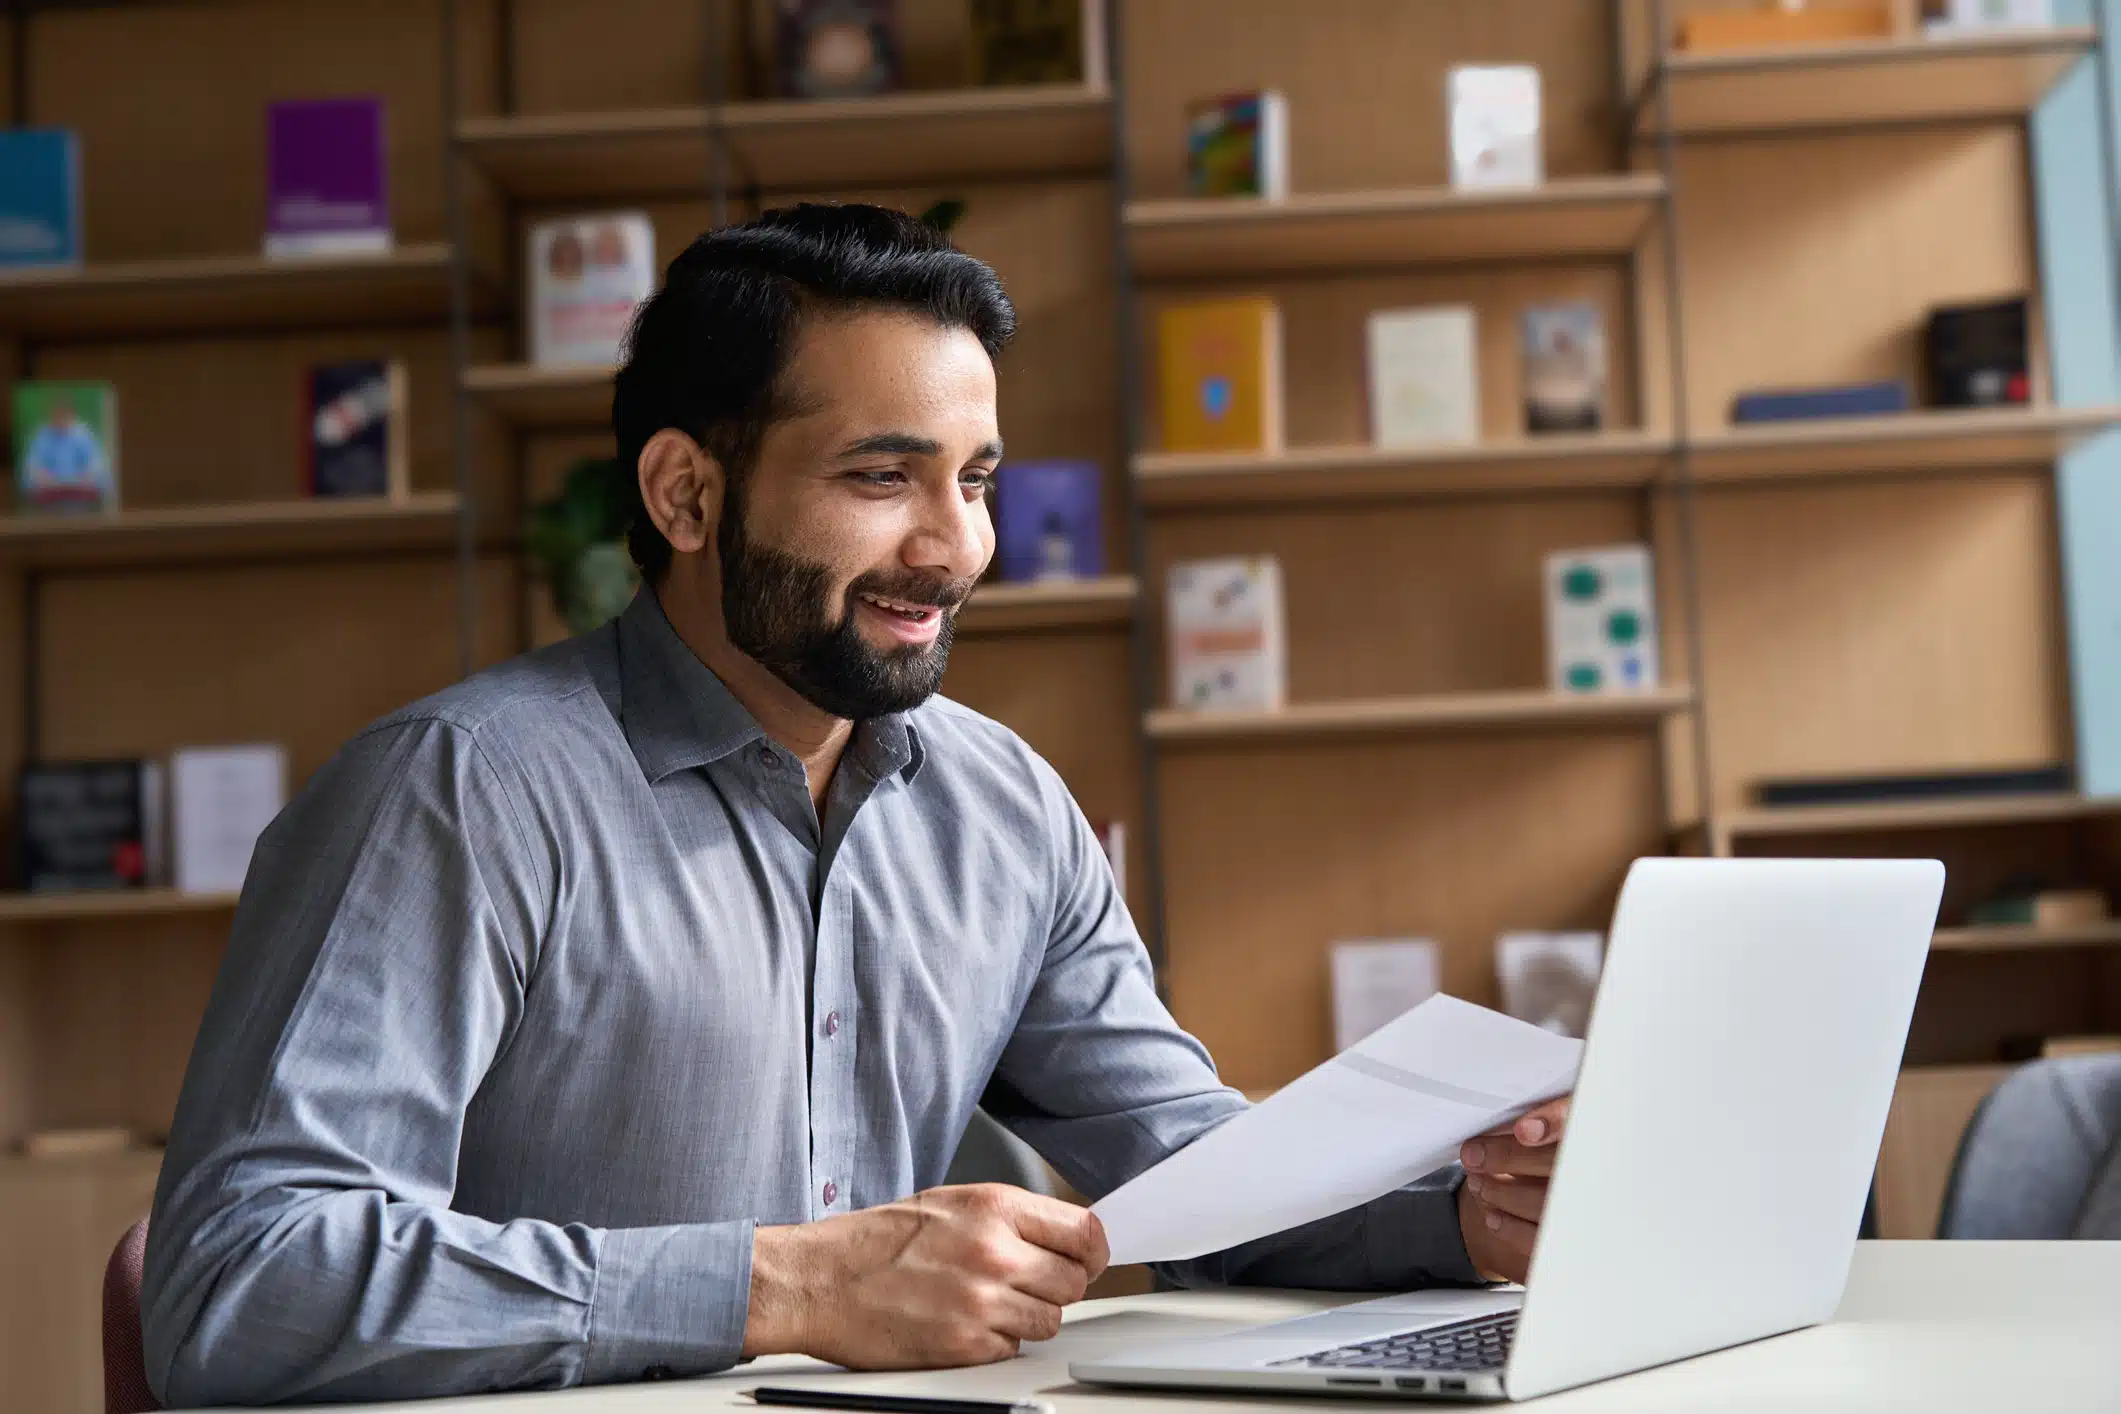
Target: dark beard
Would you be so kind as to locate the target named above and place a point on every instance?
(775, 609)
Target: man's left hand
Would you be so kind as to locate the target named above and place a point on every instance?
(1505, 1193)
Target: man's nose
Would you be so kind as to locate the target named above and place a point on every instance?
(952, 539)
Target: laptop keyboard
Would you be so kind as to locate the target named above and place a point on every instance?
(1482, 1343)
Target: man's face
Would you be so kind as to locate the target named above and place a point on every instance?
(860, 530)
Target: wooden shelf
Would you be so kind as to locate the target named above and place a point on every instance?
(108, 903)
(1572, 217)
(1928, 442)
(1051, 604)
(216, 294)
(2014, 938)
(1863, 83)
(527, 395)
(1909, 815)
(1563, 462)
(243, 530)
(1450, 712)
(900, 139)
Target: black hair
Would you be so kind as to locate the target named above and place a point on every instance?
(707, 351)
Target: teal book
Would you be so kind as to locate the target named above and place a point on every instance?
(40, 197)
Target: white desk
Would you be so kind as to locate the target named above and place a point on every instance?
(1926, 1328)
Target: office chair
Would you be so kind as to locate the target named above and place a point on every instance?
(2041, 1158)
(991, 1154)
(125, 1388)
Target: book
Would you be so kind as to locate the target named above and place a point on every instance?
(1885, 396)
(1772, 26)
(1495, 125)
(221, 800)
(90, 824)
(1942, 18)
(1038, 41)
(1564, 368)
(66, 447)
(1049, 521)
(1601, 620)
(1219, 375)
(835, 48)
(356, 433)
(326, 187)
(1238, 145)
(78, 1143)
(1550, 979)
(2040, 908)
(1975, 355)
(1937, 785)
(588, 274)
(40, 197)
(1378, 980)
(1228, 634)
(1424, 386)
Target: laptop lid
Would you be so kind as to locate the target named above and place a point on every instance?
(1744, 1049)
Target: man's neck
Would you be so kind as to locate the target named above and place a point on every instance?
(817, 738)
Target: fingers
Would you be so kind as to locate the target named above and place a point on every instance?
(1048, 1276)
(1074, 1233)
(1491, 1155)
(1519, 1197)
(1015, 1316)
(1542, 1124)
(1509, 1242)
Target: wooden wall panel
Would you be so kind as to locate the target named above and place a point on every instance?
(153, 186)
(1881, 626)
(1364, 80)
(1271, 855)
(1930, 1111)
(1408, 598)
(18, 1052)
(303, 655)
(576, 58)
(1325, 348)
(1972, 1003)
(1812, 261)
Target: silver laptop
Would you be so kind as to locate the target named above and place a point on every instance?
(1734, 1088)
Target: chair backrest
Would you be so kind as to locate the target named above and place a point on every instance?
(125, 1388)
(2030, 1155)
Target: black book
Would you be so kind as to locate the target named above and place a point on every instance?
(1941, 785)
(90, 824)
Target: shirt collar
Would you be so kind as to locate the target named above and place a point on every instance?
(677, 714)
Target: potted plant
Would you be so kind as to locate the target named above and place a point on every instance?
(576, 542)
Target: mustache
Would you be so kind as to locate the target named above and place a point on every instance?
(912, 588)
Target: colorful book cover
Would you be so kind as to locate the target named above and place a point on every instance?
(356, 427)
(1424, 385)
(326, 184)
(1228, 634)
(1564, 368)
(1238, 145)
(66, 448)
(836, 48)
(40, 197)
(90, 825)
(1219, 371)
(588, 274)
(1601, 620)
(1495, 126)
(1037, 41)
(1050, 523)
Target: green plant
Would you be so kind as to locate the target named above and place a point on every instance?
(577, 542)
(944, 215)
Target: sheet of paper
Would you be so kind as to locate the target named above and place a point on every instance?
(1372, 1119)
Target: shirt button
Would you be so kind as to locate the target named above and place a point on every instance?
(832, 1024)
(832, 1193)
(766, 756)
(657, 1372)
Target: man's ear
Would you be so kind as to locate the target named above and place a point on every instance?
(682, 486)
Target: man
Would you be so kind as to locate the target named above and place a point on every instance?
(594, 1019)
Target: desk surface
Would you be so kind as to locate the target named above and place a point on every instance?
(1935, 1327)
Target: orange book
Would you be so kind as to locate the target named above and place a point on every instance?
(1720, 31)
(1219, 375)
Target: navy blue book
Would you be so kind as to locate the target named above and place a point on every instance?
(356, 416)
(40, 197)
(1807, 404)
(1049, 522)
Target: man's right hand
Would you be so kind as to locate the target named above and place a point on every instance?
(953, 1276)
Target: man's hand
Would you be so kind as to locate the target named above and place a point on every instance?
(953, 1276)
(1506, 1190)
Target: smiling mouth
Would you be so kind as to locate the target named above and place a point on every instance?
(911, 613)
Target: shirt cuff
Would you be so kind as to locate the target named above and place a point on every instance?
(670, 1301)
(1412, 1237)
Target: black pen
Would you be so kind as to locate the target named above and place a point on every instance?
(895, 1403)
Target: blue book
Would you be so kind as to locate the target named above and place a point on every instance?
(40, 197)
(1050, 522)
(1805, 404)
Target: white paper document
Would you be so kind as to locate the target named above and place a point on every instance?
(1372, 1119)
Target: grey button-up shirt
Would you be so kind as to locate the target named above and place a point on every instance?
(547, 989)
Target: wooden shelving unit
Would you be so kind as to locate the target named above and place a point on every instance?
(1052, 604)
(1341, 231)
(1862, 83)
(255, 529)
(897, 139)
(1448, 713)
(2000, 938)
(1603, 461)
(543, 398)
(20, 908)
(235, 293)
(1735, 825)
(1933, 442)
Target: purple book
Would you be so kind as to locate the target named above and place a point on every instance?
(1050, 526)
(326, 190)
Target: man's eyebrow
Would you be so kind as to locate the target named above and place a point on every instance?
(907, 444)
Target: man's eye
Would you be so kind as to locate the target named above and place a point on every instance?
(891, 477)
(980, 481)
